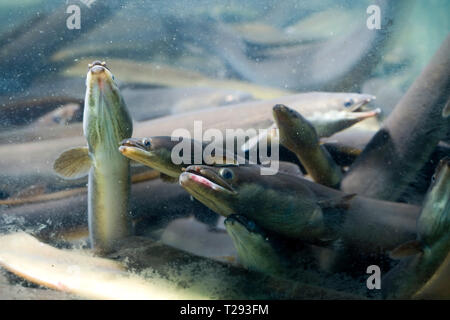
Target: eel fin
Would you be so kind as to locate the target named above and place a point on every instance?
(339, 202)
(407, 249)
(73, 163)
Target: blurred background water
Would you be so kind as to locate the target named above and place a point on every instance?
(293, 45)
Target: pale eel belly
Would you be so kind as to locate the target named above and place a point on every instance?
(108, 204)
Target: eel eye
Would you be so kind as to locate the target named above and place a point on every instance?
(433, 178)
(146, 142)
(348, 103)
(226, 173)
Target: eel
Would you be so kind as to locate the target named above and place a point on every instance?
(146, 270)
(300, 209)
(268, 253)
(392, 158)
(424, 272)
(298, 135)
(106, 122)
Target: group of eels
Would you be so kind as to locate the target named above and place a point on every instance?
(259, 208)
(254, 114)
(290, 208)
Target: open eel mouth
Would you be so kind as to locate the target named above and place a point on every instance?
(106, 119)
(99, 74)
(209, 188)
(202, 175)
(359, 110)
(356, 115)
(361, 114)
(357, 106)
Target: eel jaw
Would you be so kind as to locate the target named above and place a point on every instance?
(214, 194)
(206, 178)
(364, 114)
(135, 153)
(358, 105)
(148, 158)
(99, 74)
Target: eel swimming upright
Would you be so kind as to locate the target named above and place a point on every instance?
(106, 122)
(298, 135)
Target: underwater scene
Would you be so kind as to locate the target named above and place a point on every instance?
(206, 149)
